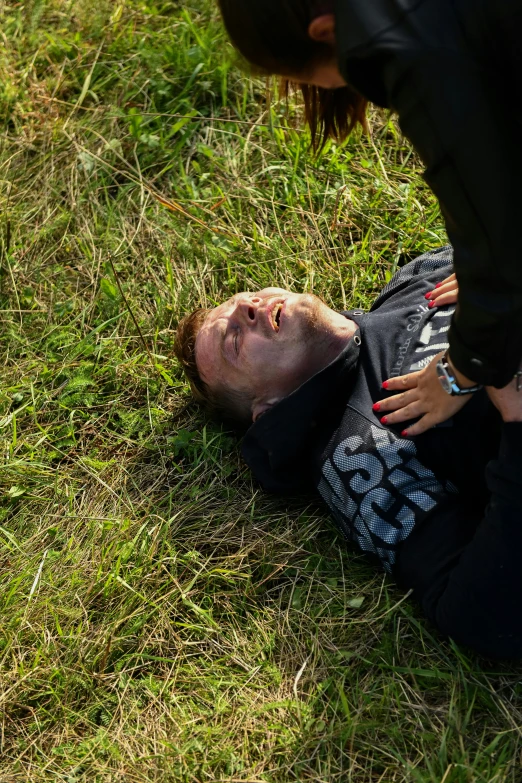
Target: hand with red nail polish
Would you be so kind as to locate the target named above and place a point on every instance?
(419, 396)
(444, 293)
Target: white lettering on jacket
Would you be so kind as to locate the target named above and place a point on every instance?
(377, 489)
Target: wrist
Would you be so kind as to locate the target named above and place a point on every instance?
(511, 415)
(508, 402)
(448, 379)
(462, 380)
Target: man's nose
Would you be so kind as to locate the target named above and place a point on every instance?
(248, 309)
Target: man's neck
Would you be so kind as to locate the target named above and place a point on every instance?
(343, 329)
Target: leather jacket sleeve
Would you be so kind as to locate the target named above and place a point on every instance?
(417, 61)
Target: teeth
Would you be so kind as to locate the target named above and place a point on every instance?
(277, 315)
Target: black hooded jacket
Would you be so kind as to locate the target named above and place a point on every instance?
(441, 512)
(452, 70)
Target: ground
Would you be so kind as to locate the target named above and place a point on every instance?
(161, 619)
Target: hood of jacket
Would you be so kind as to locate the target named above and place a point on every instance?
(277, 446)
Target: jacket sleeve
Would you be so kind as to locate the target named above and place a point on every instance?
(465, 569)
(473, 155)
(451, 105)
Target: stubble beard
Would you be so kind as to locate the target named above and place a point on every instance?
(316, 328)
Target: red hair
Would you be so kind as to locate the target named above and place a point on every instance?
(229, 404)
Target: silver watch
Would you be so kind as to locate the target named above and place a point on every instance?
(449, 382)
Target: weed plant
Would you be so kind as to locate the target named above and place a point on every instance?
(161, 619)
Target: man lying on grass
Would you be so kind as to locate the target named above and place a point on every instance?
(442, 512)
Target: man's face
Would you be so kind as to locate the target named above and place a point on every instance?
(265, 345)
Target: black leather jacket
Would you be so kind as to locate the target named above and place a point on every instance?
(452, 70)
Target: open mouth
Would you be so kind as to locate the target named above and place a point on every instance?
(276, 315)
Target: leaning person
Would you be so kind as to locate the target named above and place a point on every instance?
(452, 71)
(441, 513)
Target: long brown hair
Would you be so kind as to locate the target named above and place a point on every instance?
(272, 35)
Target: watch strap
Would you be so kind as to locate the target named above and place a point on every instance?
(449, 382)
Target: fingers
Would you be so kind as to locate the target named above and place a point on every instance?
(402, 382)
(395, 402)
(424, 424)
(444, 293)
(445, 298)
(405, 413)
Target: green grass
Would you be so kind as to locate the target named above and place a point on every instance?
(161, 619)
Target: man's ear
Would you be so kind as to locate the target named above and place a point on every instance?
(322, 29)
(259, 407)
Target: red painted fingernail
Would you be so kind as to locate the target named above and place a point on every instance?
(404, 433)
(427, 296)
(438, 285)
(376, 407)
(385, 384)
(431, 304)
(384, 420)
